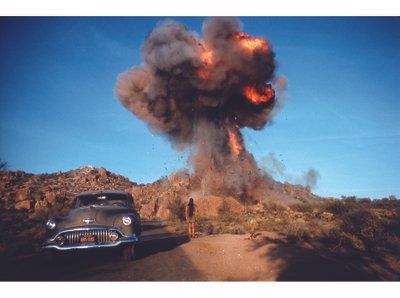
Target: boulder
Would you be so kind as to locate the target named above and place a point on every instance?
(25, 204)
(50, 197)
(23, 194)
(103, 173)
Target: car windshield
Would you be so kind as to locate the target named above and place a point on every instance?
(101, 200)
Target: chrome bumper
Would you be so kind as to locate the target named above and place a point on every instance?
(122, 240)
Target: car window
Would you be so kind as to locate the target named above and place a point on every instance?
(101, 200)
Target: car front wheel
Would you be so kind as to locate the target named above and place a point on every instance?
(129, 252)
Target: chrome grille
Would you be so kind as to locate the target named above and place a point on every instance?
(102, 235)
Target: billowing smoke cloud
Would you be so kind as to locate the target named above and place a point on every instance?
(201, 92)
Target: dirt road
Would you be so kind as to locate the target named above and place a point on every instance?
(164, 256)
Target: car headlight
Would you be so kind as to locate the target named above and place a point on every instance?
(51, 224)
(60, 239)
(113, 236)
(126, 220)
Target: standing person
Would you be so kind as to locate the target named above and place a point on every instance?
(191, 217)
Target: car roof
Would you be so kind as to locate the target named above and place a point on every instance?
(98, 192)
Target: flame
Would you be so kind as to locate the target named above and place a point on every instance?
(236, 147)
(204, 74)
(251, 93)
(207, 57)
(251, 43)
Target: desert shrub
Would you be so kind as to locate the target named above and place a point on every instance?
(236, 229)
(180, 227)
(230, 222)
(295, 231)
(19, 235)
(393, 242)
(336, 207)
(3, 165)
(390, 236)
(273, 208)
(387, 203)
(252, 225)
(349, 199)
(365, 201)
(225, 213)
(365, 225)
(42, 214)
(362, 226)
(302, 207)
(332, 237)
(176, 209)
(205, 226)
(228, 228)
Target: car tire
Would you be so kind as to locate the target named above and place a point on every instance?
(129, 252)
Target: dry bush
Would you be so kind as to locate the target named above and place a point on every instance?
(302, 207)
(362, 225)
(41, 215)
(362, 222)
(272, 207)
(205, 226)
(332, 237)
(393, 242)
(387, 203)
(18, 235)
(178, 227)
(176, 209)
(335, 207)
(225, 214)
(296, 231)
(229, 222)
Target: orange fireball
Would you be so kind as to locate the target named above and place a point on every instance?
(252, 94)
(205, 72)
(250, 43)
(206, 57)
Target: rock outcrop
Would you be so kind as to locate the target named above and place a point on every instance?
(55, 192)
(20, 190)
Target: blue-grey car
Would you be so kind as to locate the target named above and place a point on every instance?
(97, 219)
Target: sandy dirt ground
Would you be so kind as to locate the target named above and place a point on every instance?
(164, 256)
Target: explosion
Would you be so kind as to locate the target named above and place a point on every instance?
(235, 145)
(201, 92)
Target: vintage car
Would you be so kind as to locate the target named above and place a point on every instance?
(97, 219)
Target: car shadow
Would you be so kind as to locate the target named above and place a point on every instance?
(151, 247)
(150, 225)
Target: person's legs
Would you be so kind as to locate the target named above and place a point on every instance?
(192, 228)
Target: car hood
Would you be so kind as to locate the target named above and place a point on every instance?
(98, 215)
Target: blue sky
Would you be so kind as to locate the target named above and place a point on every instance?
(59, 110)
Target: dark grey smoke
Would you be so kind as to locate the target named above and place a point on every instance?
(311, 177)
(196, 101)
(277, 168)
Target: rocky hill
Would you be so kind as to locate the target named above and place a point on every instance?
(28, 200)
(55, 192)
(20, 190)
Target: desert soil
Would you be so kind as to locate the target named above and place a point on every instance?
(165, 256)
